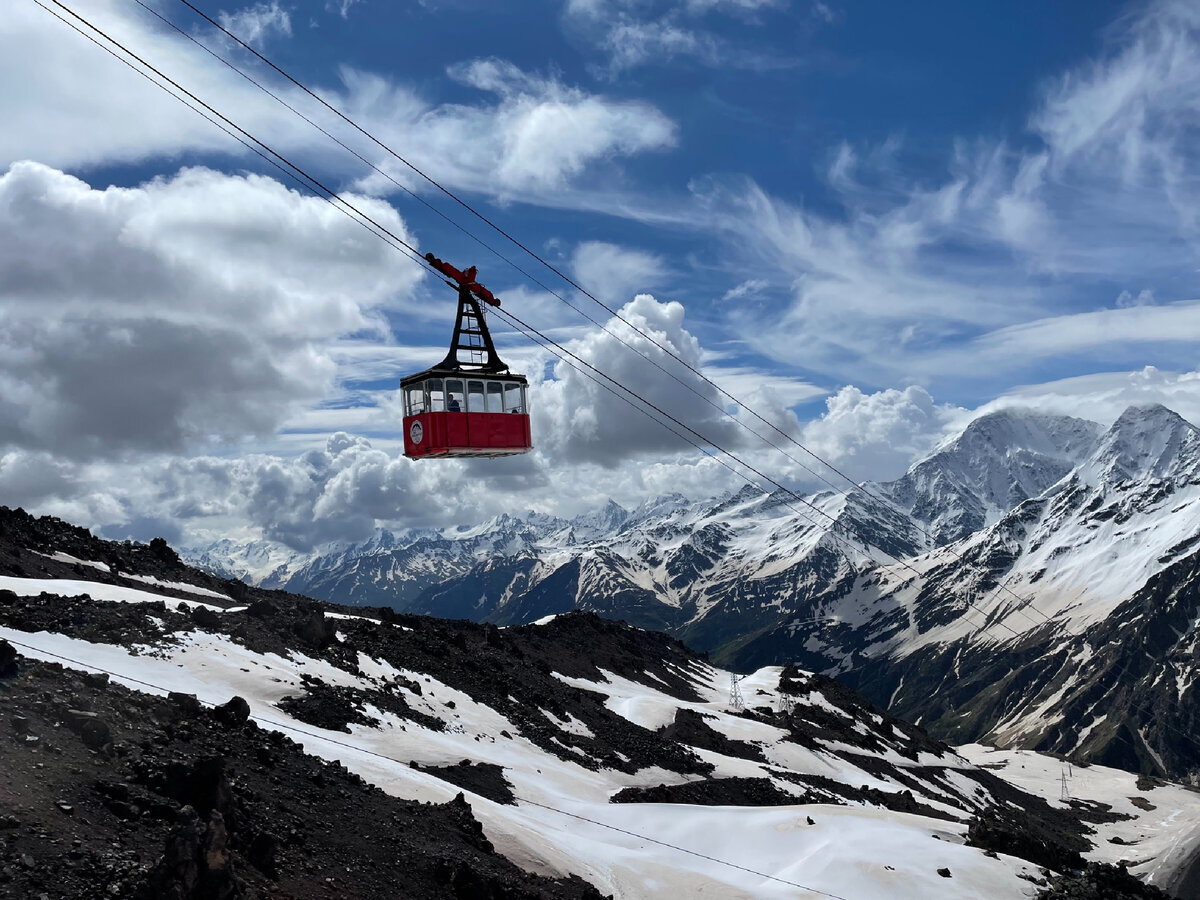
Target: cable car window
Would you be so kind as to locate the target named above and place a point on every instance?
(514, 398)
(415, 399)
(436, 395)
(495, 397)
(454, 395)
(475, 397)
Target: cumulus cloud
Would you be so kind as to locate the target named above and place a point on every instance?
(185, 311)
(586, 422)
(876, 436)
(339, 492)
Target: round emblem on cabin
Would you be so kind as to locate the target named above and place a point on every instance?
(416, 432)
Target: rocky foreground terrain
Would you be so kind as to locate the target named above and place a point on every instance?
(169, 734)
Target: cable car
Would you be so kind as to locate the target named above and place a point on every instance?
(469, 404)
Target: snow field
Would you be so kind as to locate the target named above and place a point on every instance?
(67, 587)
(1156, 841)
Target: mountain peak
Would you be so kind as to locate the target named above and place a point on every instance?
(997, 461)
(1026, 429)
(1146, 441)
(1150, 413)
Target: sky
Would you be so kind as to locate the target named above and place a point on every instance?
(868, 222)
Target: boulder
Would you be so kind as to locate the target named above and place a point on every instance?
(8, 660)
(233, 713)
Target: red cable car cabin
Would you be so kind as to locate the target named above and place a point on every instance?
(470, 404)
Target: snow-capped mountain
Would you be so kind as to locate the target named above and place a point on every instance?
(1068, 625)
(998, 461)
(1046, 529)
(171, 734)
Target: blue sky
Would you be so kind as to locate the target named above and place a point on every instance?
(870, 221)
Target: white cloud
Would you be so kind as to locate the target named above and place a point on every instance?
(56, 86)
(67, 103)
(542, 134)
(631, 43)
(1120, 330)
(876, 436)
(255, 24)
(1102, 397)
(634, 33)
(343, 7)
(545, 132)
(1144, 298)
(186, 311)
(584, 421)
(865, 299)
(1010, 252)
(615, 274)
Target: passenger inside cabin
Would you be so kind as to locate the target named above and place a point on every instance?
(453, 405)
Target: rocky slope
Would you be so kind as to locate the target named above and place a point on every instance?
(566, 746)
(1068, 625)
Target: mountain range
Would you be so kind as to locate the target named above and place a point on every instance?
(1031, 581)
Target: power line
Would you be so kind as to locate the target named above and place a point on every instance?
(866, 492)
(604, 327)
(325, 193)
(319, 189)
(310, 182)
(367, 752)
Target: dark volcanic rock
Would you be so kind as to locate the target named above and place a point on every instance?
(92, 730)
(315, 630)
(712, 792)
(1004, 830)
(189, 809)
(580, 644)
(206, 618)
(233, 713)
(8, 660)
(812, 723)
(690, 728)
(337, 708)
(197, 863)
(484, 779)
(1100, 881)
(45, 536)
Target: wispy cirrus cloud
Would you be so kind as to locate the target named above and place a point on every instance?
(544, 134)
(342, 7)
(255, 24)
(1103, 396)
(633, 33)
(1012, 254)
